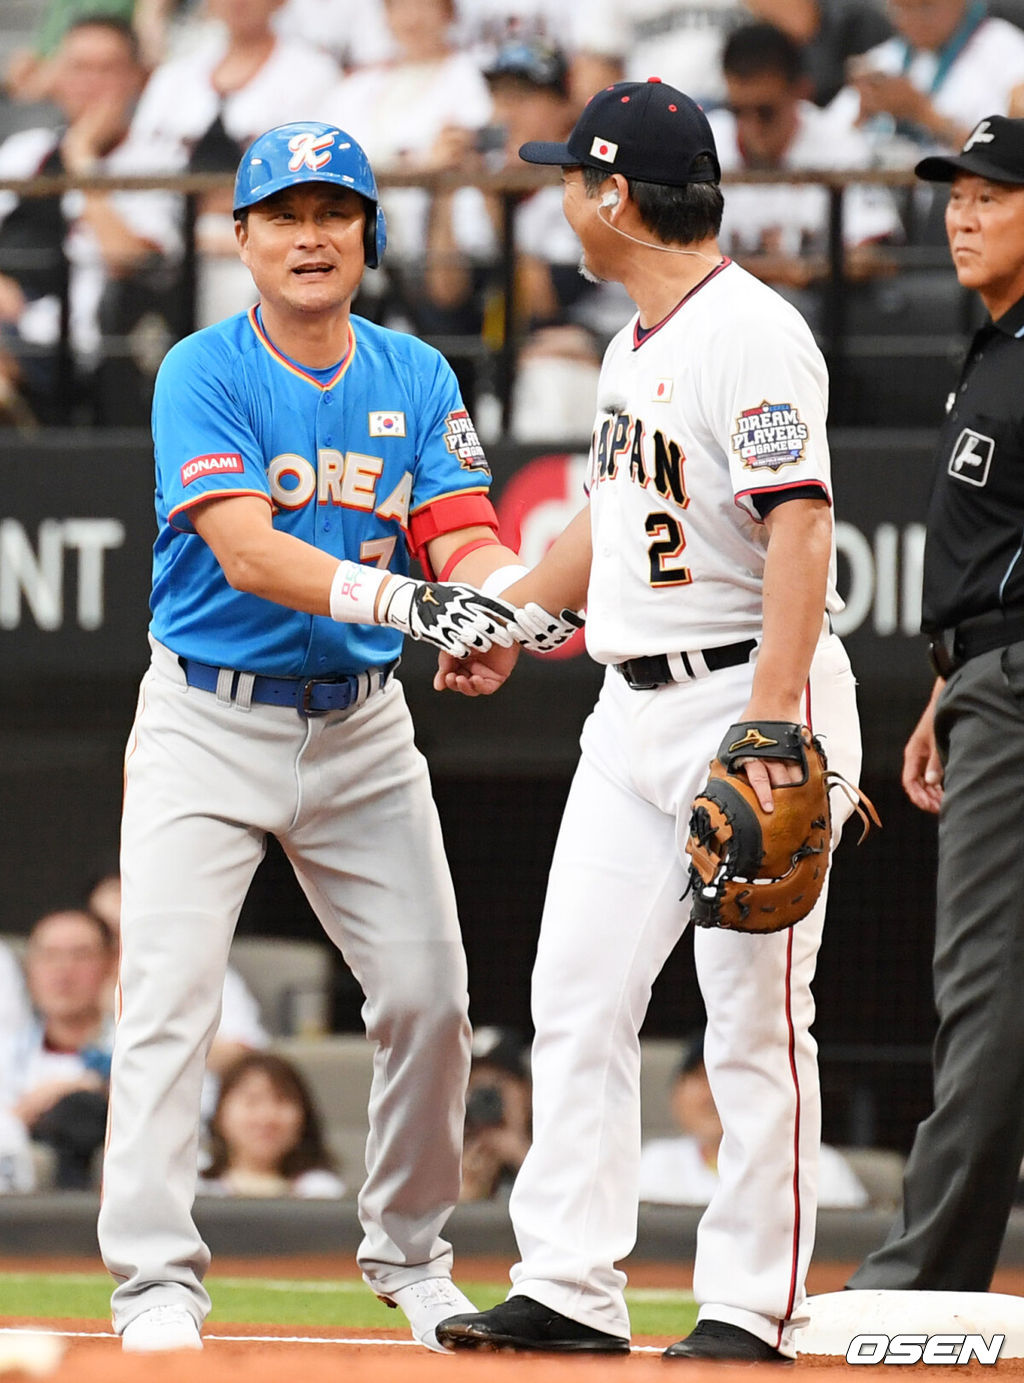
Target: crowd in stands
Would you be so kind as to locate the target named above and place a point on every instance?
(448, 86)
(683, 1169)
(264, 1134)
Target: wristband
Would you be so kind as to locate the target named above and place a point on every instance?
(502, 577)
(355, 591)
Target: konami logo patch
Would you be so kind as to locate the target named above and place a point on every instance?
(217, 464)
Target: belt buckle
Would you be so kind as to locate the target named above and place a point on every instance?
(634, 683)
(304, 699)
(942, 652)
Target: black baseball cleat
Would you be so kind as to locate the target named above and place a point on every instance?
(522, 1323)
(717, 1341)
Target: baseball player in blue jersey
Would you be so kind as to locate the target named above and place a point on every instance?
(300, 453)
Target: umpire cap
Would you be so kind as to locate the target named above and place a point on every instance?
(647, 131)
(310, 151)
(994, 149)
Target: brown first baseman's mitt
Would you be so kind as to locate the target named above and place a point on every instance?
(757, 871)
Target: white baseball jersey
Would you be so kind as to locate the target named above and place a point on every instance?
(682, 445)
(720, 403)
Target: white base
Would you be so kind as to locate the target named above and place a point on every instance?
(836, 1317)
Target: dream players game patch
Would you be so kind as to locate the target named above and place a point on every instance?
(770, 435)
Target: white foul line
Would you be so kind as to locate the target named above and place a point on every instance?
(257, 1339)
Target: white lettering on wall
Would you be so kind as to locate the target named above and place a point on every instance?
(880, 578)
(33, 577)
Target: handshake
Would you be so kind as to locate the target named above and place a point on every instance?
(461, 620)
(454, 617)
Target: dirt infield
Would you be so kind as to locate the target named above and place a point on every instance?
(255, 1354)
(278, 1358)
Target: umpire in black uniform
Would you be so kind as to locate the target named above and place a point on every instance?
(965, 758)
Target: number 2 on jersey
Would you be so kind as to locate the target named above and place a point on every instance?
(667, 532)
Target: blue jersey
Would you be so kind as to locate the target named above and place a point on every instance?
(360, 461)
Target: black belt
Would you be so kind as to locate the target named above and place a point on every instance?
(310, 696)
(644, 674)
(951, 648)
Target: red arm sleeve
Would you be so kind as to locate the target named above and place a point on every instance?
(447, 514)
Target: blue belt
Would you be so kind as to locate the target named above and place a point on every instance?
(310, 696)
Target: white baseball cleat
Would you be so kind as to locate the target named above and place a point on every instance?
(161, 1328)
(426, 1304)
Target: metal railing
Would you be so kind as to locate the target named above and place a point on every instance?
(509, 187)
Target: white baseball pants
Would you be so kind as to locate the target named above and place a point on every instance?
(612, 916)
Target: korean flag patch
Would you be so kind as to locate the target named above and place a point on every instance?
(387, 424)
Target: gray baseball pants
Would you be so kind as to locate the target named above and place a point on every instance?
(962, 1173)
(348, 796)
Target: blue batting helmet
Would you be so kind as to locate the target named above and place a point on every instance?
(310, 151)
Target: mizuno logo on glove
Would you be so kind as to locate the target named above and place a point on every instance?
(753, 739)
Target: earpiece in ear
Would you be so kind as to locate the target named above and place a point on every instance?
(610, 199)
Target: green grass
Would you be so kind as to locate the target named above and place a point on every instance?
(344, 1305)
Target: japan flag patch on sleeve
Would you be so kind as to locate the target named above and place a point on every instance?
(387, 424)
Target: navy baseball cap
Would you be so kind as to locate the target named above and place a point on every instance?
(542, 65)
(994, 149)
(645, 130)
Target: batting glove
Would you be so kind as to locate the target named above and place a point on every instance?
(452, 617)
(539, 631)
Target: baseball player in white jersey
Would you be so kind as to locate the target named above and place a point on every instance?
(300, 452)
(706, 560)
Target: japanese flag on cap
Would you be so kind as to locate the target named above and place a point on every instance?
(645, 130)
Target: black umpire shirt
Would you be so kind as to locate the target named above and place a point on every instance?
(974, 553)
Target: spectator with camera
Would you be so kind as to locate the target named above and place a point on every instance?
(497, 1134)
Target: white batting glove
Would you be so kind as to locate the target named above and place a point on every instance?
(534, 628)
(454, 617)
(540, 631)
